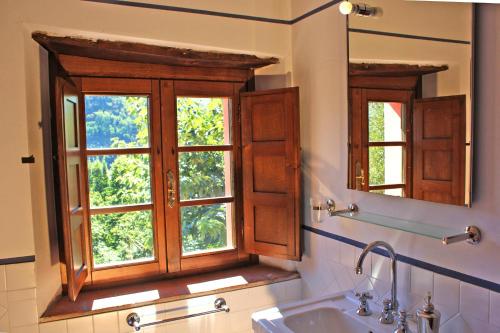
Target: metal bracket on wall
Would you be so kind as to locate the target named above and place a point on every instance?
(472, 235)
(331, 206)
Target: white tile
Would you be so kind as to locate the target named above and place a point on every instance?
(80, 325)
(474, 301)
(263, 296)
(54, 327)
(332, 248)
(447, 292)
(343, 277)
(23, 313)
(462, 324)
(25, 329)
(422, 281)
(347, 255)
(4, 322)
(404, 278)
(3, 279)
(21, 295)
(240, 321)
(494, 308)
(106, 323)
(382, 288)
(292, 290)
(20, 276)
(3, 300)
(381, 267)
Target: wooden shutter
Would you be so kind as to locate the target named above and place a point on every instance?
(72, 196)
(271, 172)
(439, 149)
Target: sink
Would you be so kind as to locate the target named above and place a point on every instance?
(324, 320)
(334, 313)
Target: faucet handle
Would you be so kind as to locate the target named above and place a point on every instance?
(363, 308)
(387, 315)
(364, 296)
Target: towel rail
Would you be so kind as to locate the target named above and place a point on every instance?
(134, 320)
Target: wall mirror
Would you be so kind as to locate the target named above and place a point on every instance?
(411, 100)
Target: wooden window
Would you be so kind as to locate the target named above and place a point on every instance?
(381, 126)
(153, 180)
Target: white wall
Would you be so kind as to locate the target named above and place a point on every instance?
(319, 68)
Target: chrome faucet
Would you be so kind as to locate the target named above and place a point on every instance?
(390, 306)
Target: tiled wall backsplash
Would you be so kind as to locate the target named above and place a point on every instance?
(18, 309)
(328, 266)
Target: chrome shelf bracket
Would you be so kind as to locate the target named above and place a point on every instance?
(331, 208)
(471, 235)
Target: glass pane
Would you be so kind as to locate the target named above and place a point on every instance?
(206, 228)
(122, 237)
(386, 165)
(203, 121)
(205, 174)
(76, 241)
(397, 192)
(116, 121)
(386, 121)
(119, 180)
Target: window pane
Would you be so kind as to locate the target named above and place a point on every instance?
(119, 180)
(386, 121)
(116, 121)
(203, 121)
(397, 192)
(122, 237)
(205, 174)
(206, 228)
(386, 165)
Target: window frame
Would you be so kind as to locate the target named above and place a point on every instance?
(128, 87)
(359, 99)
(162, 95)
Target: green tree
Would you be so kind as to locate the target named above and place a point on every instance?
(117, 122)
(376, 155)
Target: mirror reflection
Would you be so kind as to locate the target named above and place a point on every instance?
(410, 99)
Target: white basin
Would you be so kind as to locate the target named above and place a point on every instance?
(335, 313)
(324, 320)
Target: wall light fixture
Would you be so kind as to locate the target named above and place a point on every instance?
(361, 9)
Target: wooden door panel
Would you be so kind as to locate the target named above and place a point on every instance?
(271, 172)
(72, 212)
(439, 149)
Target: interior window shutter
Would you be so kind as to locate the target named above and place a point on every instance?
(439, 149)
(72, 212)
(271, 172)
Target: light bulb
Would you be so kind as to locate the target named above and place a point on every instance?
(345, 7)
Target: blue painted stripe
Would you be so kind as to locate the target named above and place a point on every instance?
(393, 34)
(411, 261)
(17, 260)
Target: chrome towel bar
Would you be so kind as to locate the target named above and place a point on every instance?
(134, 320)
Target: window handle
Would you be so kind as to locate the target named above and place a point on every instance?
(360, 176)
(170, 189)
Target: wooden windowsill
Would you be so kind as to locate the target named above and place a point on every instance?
(140, 294)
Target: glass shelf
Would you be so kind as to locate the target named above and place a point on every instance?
(418, 228)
